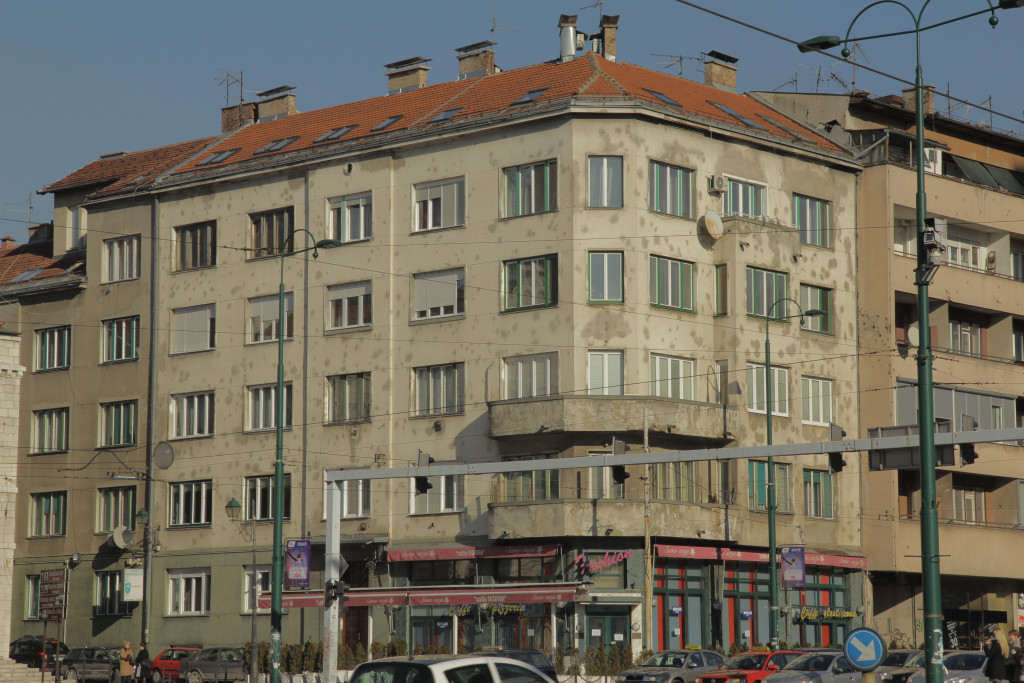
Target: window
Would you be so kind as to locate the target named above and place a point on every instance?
(351, 305)
(531, 283)
(439, 294)
(196, 246)
(965, 253)
(813, 218)
(968, 504)
(670, 482)
(263, 575)
(53, 348)
(108, 595)
(440, 389)
(275, 145)
(1017, 265)
(529, 376)
(188, 592)
(526, 570)
(817, 494)
(191, 503)
(722, 289)
(440, 205)
(1018, 341)
(49, 513)
(265, 318)
(348, 398)
(259, 497)
(672, 377)
(757, 391)
(445, 115)
(119, 423)
(532, 484)
(218, 157)
(355, 498)
(964, 337)
(121, 339)
(744, 198)
(51, 431)
(445, 495)
(352, 218)
(815, 298)
(263, 407)
(816, 400)
(671, 283)
(386, 122)
(604, 373)
(671, 190)
(531, 189)
(757, 485)
(764, 289)
(192, 415)
(121, 259)
(606, 278)
(270, 231)
(601, 483)
(194, 329)
(32, 596)
(79, 225)
(334, 134)
(605, 182)
(116, 507)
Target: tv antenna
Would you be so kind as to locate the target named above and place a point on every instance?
(28, 202)
(852, 61)
(494, 22)
(231, 78)
(677, 60)
(599, 5)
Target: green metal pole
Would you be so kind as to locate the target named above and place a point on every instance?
(773, 567)
(277, 569)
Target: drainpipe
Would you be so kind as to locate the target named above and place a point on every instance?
(154, 277)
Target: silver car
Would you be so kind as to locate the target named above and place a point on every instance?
(961, 666)
(898, 665)
(822, 666)
(672, 666)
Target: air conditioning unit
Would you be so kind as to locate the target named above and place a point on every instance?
(716, 183)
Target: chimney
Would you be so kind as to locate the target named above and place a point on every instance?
(567, 33)
(276, 103)
(7, 242)
(476, 60)
(236, 116)
(720, 71)
(927, 99)
(609, 26)
(407, 74)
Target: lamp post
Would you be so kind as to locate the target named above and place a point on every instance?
(930, 574)
(234, 512)
(277, 568)
(773, 548)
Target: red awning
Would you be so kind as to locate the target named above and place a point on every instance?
(687, 552)
(460, 596)
(471, 552)
(708, 553)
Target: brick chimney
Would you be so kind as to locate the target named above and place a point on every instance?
(407, 74)
(276, 107)
(720, 71)
(476, 60)
(7, 243)
(609, 27)
(236, 116)
(927, 99)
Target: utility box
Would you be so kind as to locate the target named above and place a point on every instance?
(908, 458)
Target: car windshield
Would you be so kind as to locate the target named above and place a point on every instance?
(964, 661)
(895, 659)
(392, 672)
(665, 659)
(812, 661)
(745, 662)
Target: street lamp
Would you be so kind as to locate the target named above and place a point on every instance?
(773, 548)
(248, 531)
(930, 575)
(277, 568)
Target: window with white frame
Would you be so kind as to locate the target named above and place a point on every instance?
(818, 494)
(601, 484)
(108, 600)
(269, 232)
(348, 398)
(32, 585)
(263, 574)
(355, 498)
(188, 592)
(604, 373)
(439, 294)
(671, 283)
(671, 190)
(606, 278)
(115, 506)
(965, 337)
(119, 423)
(121, 339)
(672, 377)
(53, 348)
(440, 389)
(722, 289)
(439, 205)
(669, 482)
(757, 391)
(605, 186)
(352, 218)
(445, 495)
(79, 227)
(530, 283)
(764, 289)
(1017, 265)
(191, 503)
(964, 252)
(192, 415)
(51, 430)
(968, 503)
(263, 407)
(533, 375)
(350, 305)
(531, 188)
(757, 485)
(531, 485)
(813, 218)
(196, 246)
(259, 497)
(816, 400)
(49, 513)
(264, 317)
(1018, 341)
(121, 259)
(815, 298)
(743, 198)
(194, 328)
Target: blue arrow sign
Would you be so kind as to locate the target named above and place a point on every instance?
(864, 648)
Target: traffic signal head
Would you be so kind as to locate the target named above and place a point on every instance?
(423, 485)
(330, 592)
(619, 474)
(968, 454)
(836, 462)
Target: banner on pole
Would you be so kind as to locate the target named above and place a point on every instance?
(794, 569)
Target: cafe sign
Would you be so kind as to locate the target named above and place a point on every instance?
(823, 613)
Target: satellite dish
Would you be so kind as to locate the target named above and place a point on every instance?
(121, 537)
(913, 337)
(163, 455)
(712, 224)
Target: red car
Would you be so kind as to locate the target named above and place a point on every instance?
(167, 663)
(750, 667)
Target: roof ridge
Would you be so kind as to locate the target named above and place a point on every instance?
(600, 73)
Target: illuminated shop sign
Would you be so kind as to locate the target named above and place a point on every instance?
(500, 610)
(588, 566)
(819, 613)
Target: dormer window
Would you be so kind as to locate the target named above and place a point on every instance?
(275, 146)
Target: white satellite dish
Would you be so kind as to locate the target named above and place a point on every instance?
(712, 224)
(121, 537)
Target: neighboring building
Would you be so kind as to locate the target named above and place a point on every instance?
(11, 372)
(975, 184)
(529, 268)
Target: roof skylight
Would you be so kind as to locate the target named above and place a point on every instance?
(664, 98)
(739, 117)
(530, 96)
(334, 134)
(445, 115)
(385, 123)
(218, 157)
(27, 275)
(276, 145)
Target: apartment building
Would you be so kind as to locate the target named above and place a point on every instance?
(975, 193)
(533, 262)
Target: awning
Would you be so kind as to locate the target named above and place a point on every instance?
(464, 552)
(446, 595)
(711, 553)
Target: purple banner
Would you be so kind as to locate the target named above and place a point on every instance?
(794, 574)
(296, 563)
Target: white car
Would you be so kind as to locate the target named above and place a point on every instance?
(446, 669)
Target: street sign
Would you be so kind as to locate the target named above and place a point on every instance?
(289, 600)
(864, 648)
(133, 585)
(51, 594)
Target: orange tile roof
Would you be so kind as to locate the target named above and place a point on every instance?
(20, 259)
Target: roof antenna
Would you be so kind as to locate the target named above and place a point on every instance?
(599, 5)
(230, 79)
(28, 202)
(677, 60)
(494, 23)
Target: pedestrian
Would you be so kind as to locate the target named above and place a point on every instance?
(1013, 662)
(997, 650)
(143, 664)
(126, 667)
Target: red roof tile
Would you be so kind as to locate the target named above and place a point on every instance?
(17, 261)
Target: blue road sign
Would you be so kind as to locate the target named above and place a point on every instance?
(864, 648)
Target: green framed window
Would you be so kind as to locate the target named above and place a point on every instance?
(672, 284)
(818, 494)
(671, 190)
(757, 485)
(814, 219)
(119, 424)
(672, 377)
(605, 186)
(743, 198)
(49, 513)
(820, 298)
(121, 339)
(757, 390)
(764, 288)
(53, 348)
(530, 283)
(722, 289)
(531, 188)
(606, 278)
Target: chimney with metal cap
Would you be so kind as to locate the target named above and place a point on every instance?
(276, 103)
(609, 26)
(476, 60)
(567, 33)
(407, 74)
(720, 71)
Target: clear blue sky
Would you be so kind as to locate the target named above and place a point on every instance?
(80, 79)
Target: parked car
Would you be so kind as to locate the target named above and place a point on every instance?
(961, 666)
(94, 663)
(213, 664)
(898, 665)
(29, 650)
(750, 667)
(673, 666)
(167, 664)
(447, 669)
(534, 658)
(822, 666)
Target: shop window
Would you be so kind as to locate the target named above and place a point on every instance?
(441, 572)
(525, 569)
(531, 485)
